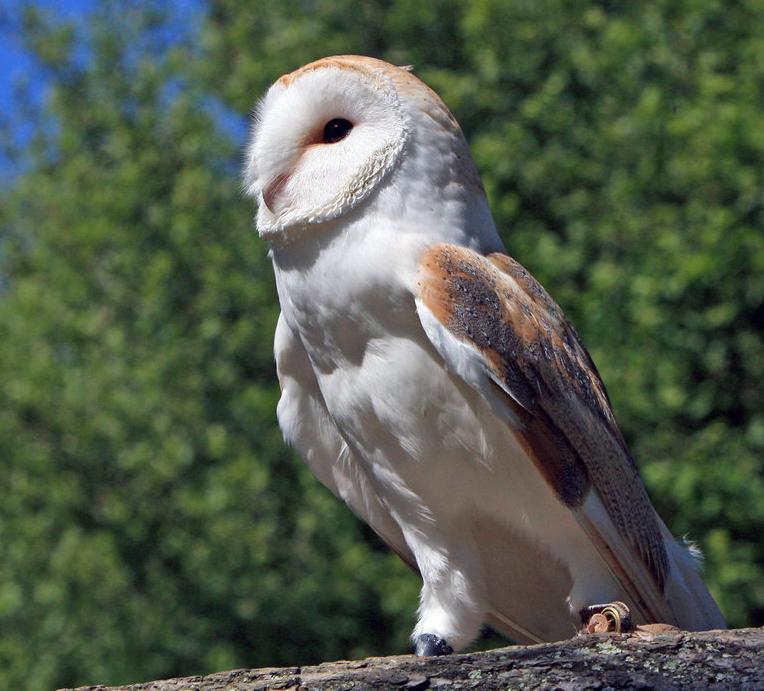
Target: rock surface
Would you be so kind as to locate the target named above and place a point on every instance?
(641, 660)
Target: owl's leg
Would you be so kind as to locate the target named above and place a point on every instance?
(449, 618)
(450, 609)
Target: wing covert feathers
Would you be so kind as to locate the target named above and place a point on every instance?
(535, 357)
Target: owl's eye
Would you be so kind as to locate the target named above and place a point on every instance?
(337, 129)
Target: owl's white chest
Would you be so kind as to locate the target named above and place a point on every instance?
(351, 300)
(420, 431)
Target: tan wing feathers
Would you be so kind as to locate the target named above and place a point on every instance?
(535, 356)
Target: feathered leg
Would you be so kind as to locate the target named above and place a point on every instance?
(451, 610)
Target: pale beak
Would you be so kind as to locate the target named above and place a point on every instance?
(273, 190)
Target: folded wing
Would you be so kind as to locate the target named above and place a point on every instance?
(498, 328)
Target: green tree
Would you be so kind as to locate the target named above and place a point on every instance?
(153, 523)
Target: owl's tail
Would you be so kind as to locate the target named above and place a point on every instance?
(687, 595)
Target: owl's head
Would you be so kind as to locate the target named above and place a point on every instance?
(326, 136)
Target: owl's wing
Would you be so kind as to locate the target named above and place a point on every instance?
(495, 326)
(307, 425)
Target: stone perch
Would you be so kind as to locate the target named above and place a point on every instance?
(670, 660)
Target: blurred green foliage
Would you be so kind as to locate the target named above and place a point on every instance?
(152, 523)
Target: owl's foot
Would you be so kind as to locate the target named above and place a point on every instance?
(613, 617)
(428, 645)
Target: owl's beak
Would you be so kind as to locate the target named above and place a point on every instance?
(265, 201)
(273, 190)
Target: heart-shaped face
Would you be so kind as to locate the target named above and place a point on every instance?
(324, 137)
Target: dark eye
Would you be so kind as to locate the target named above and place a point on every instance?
(336, 130)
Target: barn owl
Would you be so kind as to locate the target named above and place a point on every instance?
(433, 385)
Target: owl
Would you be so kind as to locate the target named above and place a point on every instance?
(432, 384)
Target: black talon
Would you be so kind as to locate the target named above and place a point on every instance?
(428, 644)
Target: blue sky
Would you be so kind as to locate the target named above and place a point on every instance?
(18, 67)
